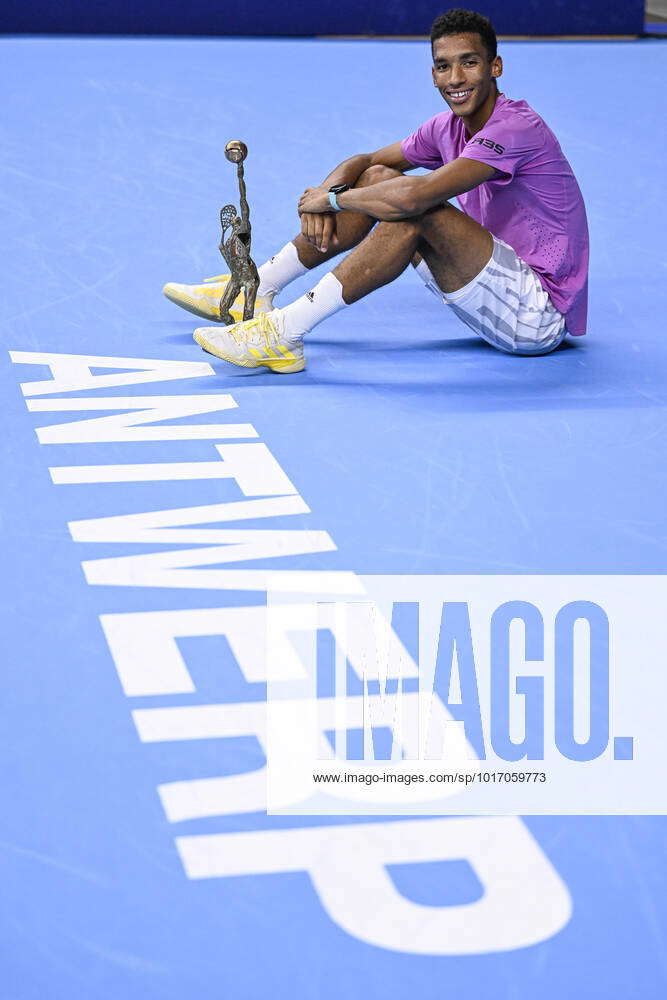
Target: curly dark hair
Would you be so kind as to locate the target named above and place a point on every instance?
(466, 22)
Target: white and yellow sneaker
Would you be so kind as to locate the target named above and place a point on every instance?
(256, 343)
(204, 300)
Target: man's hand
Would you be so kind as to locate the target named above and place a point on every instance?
(315, 200)
(318, 225)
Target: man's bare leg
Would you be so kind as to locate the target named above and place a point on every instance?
(455, 247)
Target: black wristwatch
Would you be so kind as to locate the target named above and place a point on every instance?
(333, 195)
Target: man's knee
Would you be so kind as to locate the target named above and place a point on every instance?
(375, 174)
(439, 217)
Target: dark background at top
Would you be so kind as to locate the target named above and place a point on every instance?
(298, 17)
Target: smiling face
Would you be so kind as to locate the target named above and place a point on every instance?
(466, 77)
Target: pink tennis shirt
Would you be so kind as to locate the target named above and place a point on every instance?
(533, 203)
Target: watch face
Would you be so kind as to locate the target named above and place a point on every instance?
(339, 188)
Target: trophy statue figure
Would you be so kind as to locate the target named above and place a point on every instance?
(235, 244)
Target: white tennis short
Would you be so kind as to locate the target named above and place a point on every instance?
(505, 304)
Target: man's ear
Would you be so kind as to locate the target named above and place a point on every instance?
(497, 67)
(433, 76)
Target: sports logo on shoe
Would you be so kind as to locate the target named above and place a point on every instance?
(310, 296)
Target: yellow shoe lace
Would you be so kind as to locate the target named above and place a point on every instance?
(260, 326)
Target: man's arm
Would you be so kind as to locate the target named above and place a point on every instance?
(320, 229)
(404, 197)
(349, 171)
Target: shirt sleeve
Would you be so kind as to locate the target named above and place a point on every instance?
(421, 149)
(505, 146)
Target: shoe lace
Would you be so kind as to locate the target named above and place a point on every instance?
(254, 331)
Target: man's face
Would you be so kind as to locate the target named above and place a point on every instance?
(462, 72)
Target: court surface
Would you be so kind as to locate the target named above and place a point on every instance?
(416, 447)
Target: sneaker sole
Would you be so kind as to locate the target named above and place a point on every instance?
(279, 367)
(192, 307)
(236, 311)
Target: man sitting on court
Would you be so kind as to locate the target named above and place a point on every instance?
(513, 265)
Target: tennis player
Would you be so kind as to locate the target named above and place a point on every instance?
(511, 263)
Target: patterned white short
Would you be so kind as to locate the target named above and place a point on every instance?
(505, 304)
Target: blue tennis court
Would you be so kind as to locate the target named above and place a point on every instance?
(415, 447)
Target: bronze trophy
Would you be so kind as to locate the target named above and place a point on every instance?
(235, 244)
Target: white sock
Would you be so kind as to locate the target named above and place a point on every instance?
(283, 267)
(325, 299)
